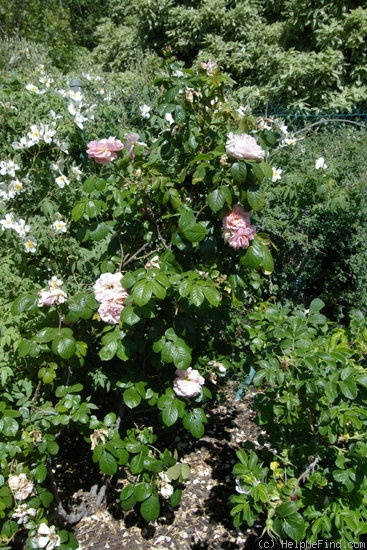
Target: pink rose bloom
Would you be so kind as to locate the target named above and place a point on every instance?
(188, 383)
(110, 312)
(238, 231)
(51, 297)
(244, 146)
(104, 150)
(108, 287)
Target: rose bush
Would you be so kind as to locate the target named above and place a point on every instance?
(126, 284)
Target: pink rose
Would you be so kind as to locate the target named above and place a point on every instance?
(108, 287)
(188, 383)
(110, 312)
(238, 231)
(104, 150)
(51, 297)
(243, 146)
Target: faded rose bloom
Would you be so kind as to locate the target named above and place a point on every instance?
(104, 150)
(244, 146)
(51, 297)
(97, 437)
(238, 231)
(23, 513)
(188, 383)
(131, 140)
(20, 486)
(153, 262)
(46, 537)
(166, 490)
(108, 287)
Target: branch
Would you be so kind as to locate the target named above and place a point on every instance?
(309, 470)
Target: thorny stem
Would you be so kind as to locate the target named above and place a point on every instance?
(36, 395)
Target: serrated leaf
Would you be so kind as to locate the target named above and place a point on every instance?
(137, 464)
(195, 233)
(78, 211)
(294, 526)
(142, 491)
(193, 424)
(179, 355)
(239, 172)
(219, 197)
(256, 198)
(212, 295)
(258, 256)
(196, 295)
(25, 303)
(129, 315)
(142, 293)
(8, 426)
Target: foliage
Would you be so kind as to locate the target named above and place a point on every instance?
(155, 215)
(317, 218)
(309, 478)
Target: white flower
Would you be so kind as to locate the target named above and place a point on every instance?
(23, 143)
(169, 118)
(108, 287)
(320, 164)
(166, 490)
(77, 97)
(79, 120)
(47, 134)
(21, 228)
(289, 141)
(20, 486)
(243, 110)
(46, 537)
(55, 282)
(61, 181)
(188, 383)
(59, 226)
(8, 222)
(145, 111)
(30, 245)
(16, 186)
(34, 134)
(277, 174)
(32, 88)
(8, 167)
(76, 172)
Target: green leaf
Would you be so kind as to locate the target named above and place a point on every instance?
(197, 295)
(294, 526)
(131, 398)
(219, 197)
(129, 316)
(256, 198)
(142, 292)
(175, 498)
(99, 231)
(258, 256)
(64, 346)
(45, 335)
(142, 491)
(195, 233)
(137, 464)
(25, 303)
(170, 413)
(348, 389)
(40, 473)
(78, 211)
(109, 350)
(239, 172)
(212, 295)
(193, 423)
(107, 464)
(176, 353)
(8, 426)
(150, 508)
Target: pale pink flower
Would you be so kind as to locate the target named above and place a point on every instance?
(51, 297)
(104, 150)
(244, 147)
(131, 140)
(238, 231)
(110, 311)
(20, 486)
(188, 383)
(109, 292)
(108, 287)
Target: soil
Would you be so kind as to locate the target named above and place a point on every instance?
(202, 520)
